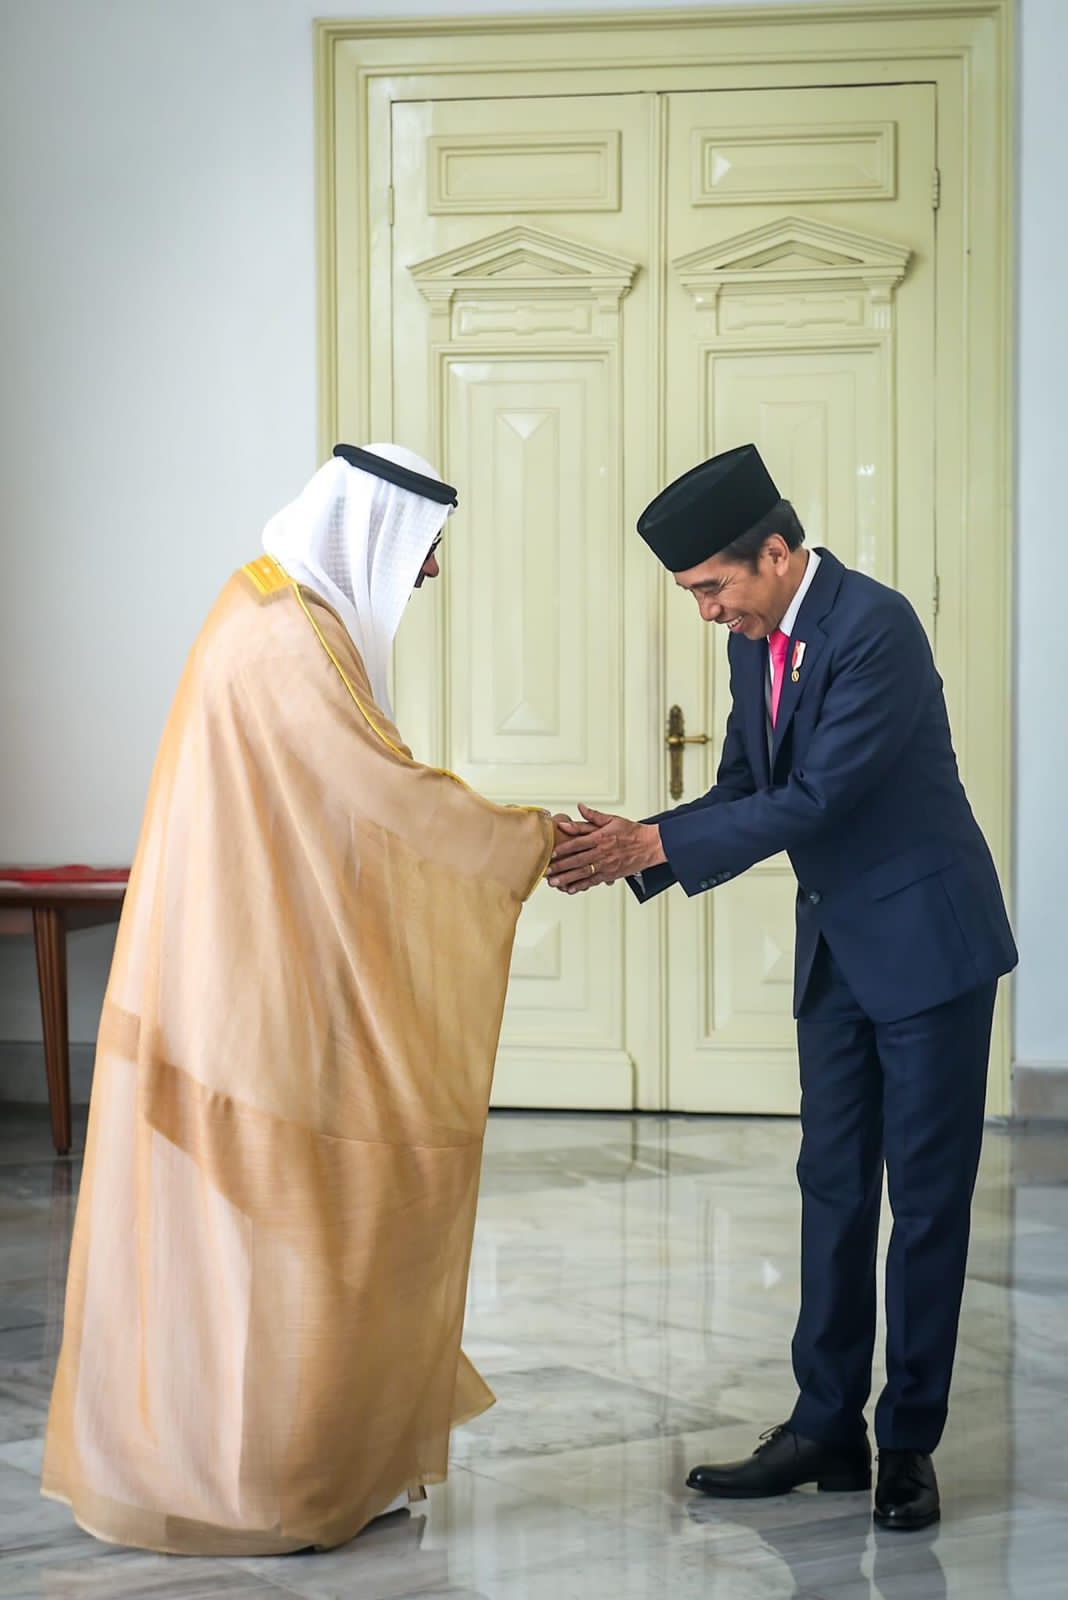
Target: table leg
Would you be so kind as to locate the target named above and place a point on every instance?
(50, 942)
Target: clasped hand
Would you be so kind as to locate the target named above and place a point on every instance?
(601, 849)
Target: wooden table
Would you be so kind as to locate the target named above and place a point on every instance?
(50, 910)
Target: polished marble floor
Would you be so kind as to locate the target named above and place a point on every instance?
(632, 1295)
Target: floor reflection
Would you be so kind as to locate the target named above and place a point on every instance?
(633, 1288)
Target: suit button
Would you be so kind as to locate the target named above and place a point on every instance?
(814, 897)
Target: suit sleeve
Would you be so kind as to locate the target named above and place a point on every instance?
(734, 781)
(873, 702)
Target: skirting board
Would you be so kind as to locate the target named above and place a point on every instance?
(1040, 1093)
(22, 1072)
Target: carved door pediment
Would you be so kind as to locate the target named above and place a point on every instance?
(796, 255)
(510, 274)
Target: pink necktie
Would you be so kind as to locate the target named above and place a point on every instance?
(777, 644)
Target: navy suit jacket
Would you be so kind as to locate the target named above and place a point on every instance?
(861, 789)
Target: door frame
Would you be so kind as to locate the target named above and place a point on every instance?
(965, 47)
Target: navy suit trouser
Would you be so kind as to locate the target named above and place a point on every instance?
(909, 1094)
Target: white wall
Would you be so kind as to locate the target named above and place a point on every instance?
(158, 400)
(1042, 611)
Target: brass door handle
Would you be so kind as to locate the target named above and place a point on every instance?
(677, 740)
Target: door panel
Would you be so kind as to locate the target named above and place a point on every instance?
(521, 238)
(535, 682)
(800, 242)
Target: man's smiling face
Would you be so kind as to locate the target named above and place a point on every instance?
(743, 598)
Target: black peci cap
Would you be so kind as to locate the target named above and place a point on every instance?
(709, 507)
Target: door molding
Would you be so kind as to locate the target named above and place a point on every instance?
(964, 47)
(839, 259)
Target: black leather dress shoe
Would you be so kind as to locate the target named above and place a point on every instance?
(783, 1461)
(906, 1494)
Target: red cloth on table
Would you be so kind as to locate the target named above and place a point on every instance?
(64, 874)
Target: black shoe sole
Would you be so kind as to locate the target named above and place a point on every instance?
(899, 1525)
(854, 1485)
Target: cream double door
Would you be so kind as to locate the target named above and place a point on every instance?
(591, 294)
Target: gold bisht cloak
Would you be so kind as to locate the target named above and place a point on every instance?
(270, 1258)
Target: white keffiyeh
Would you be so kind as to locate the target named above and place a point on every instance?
(360, 542)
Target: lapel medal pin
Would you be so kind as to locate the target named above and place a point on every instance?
(799, 656)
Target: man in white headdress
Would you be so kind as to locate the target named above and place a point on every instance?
(262, 1340)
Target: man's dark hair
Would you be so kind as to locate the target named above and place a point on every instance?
(783, 519)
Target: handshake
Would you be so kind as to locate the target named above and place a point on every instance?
(601, 849)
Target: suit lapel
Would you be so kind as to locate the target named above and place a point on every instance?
(807, 642)
(750, 667)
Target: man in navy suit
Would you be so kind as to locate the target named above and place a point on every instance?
(838, 751)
